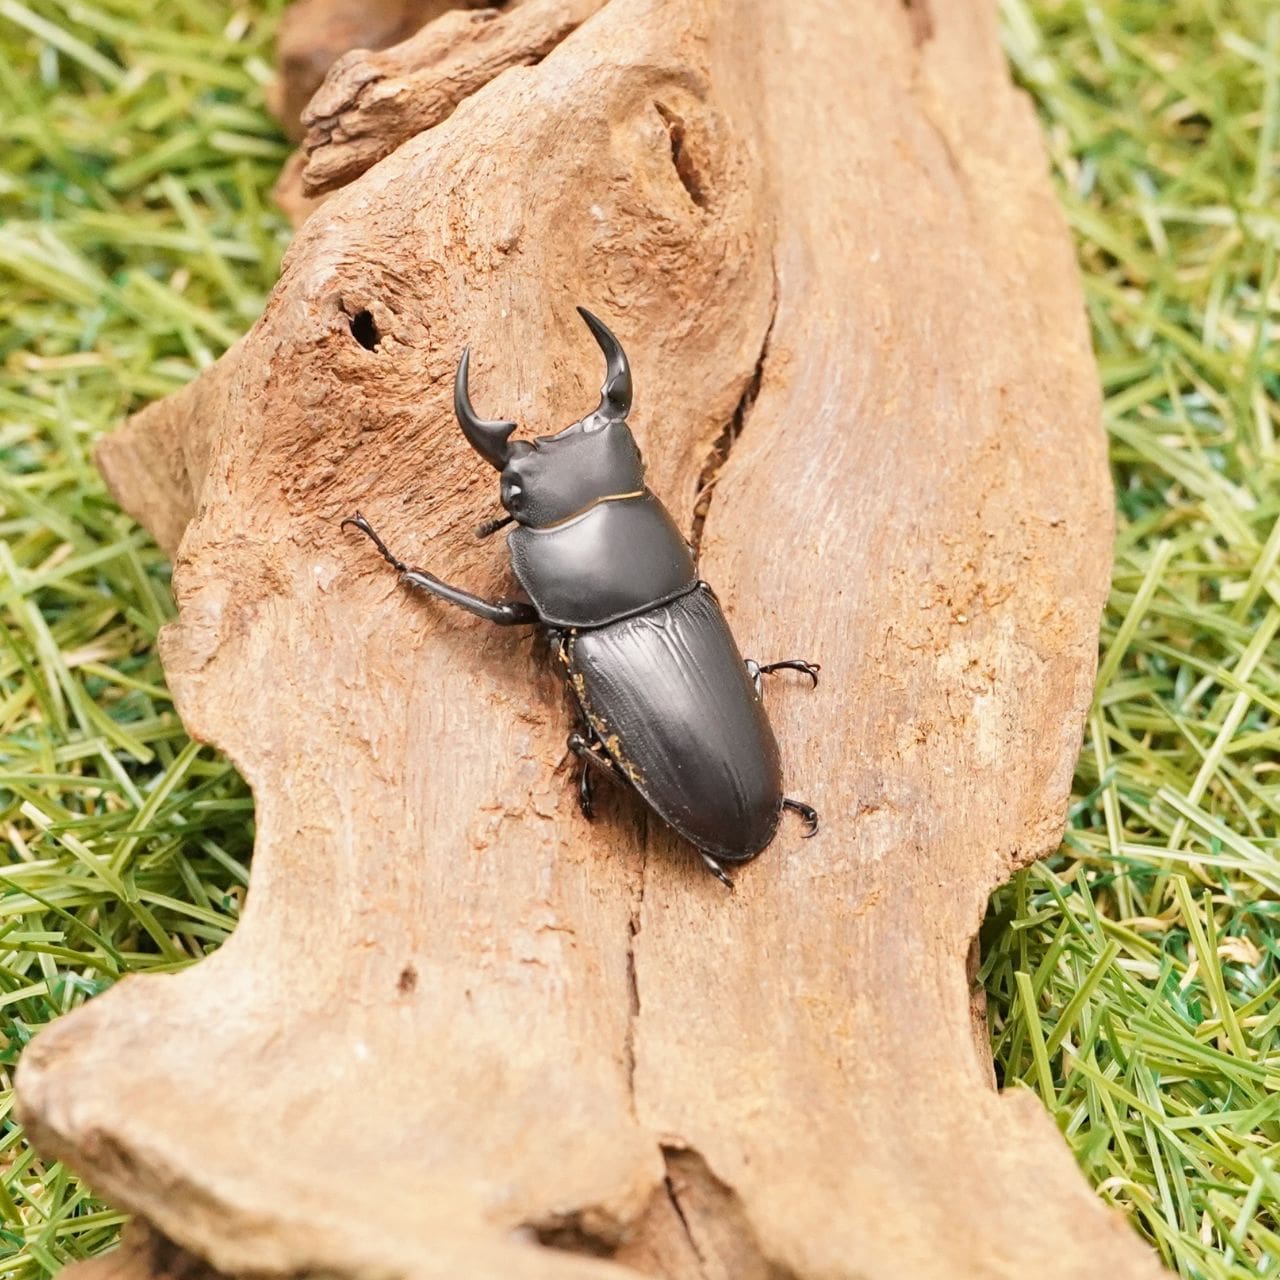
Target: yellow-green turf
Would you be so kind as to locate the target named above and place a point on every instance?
(1132, 982)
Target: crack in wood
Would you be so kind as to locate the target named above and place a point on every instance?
(668, 1157)
(633, 991)
(723, 444)
(714, 1221)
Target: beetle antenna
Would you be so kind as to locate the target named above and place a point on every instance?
(492, 526)
(615, 395)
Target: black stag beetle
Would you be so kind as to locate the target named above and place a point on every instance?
(666, 703)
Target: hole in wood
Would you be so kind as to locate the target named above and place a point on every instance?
(577, 1233)
(921, 20)
(365, 330)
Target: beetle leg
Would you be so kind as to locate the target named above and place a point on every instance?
(756, 671)
(589, 757)
(717, 870)
(505, 613)
(807, 812)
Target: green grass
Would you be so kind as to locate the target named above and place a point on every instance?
(136, 242)
(1132, 983)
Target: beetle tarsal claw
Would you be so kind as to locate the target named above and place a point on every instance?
(359, 522)
(809, 669)
(718, 871)
(807, 812)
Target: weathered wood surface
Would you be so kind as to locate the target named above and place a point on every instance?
(315, 33)
(457, 1023)
(370, 103)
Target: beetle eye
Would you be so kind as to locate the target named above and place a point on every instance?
(511, 492)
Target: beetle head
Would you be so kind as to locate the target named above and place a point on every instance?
(552, 478)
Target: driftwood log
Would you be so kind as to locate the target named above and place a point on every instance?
(461, 1032)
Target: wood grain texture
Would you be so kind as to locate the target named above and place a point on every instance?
(314, 33)
(371, 102)
(824, 233)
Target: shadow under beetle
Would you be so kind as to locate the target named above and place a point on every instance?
(666, 703)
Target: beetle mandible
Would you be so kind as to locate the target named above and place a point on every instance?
(666, 703)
